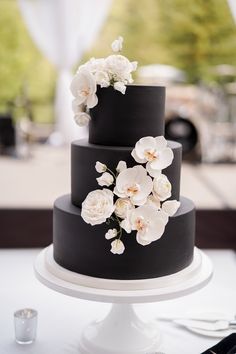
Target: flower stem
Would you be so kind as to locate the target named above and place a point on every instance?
(113, 174)
(120, 230)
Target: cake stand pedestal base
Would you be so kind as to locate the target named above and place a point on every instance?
(122, 331)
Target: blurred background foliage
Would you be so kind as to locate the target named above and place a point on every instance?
(24, 72)
(191, 35)
(20, 60)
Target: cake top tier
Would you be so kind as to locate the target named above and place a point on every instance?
(121, 120)
(118, 113)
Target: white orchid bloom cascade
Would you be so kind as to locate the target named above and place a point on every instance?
(115, 70)
(136, 199)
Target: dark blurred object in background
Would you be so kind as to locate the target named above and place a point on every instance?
(184, 132)
(7, 134)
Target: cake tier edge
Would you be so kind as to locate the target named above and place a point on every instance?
(83, 249)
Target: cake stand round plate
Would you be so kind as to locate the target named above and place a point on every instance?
(122, 332)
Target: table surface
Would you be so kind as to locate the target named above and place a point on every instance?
(62, 318)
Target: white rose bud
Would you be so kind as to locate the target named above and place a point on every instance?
(116, 45)
(170, 207)
(120, 86)
(106, 179)
(117, 247)
(100, 167)
(111, 233)
(82, 119)
(122, 207)
(121, 166)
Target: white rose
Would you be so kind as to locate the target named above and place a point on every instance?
(106, 179)
(97, 206)
(84, 87)
(119, 67)
(94, 65)
(111, 233)
(161, 187)
(170, 207)
(100, 167)
(122, 207)
(116, 45)
(120, 86)
(102, 78)
(117, 247)
(121, 166)
(82, 119)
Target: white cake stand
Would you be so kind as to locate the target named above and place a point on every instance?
(122, 332)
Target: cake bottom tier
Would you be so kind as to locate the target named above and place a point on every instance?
(83, 249)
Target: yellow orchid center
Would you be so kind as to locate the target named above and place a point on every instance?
(133, 189)
(84, 92)
(140, 225)
(151, 155)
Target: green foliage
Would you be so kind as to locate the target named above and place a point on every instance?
(191, 35)
(21, 64)
(199, 34)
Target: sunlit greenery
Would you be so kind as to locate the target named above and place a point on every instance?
(22, 67)
(191, 35)
(199, 35)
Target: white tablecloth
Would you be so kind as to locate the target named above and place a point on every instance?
(61, 318)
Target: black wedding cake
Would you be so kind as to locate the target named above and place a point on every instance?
(125, 219)
(118, 121)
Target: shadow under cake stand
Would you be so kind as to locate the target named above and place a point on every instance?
(122, 331)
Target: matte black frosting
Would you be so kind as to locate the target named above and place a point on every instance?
(118, 122)
(121, 120)
(82, 248)
(85, 155)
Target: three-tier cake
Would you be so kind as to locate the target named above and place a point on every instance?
(126, 129)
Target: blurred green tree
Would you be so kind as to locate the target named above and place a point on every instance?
(191, 35)
(198, 34)
(21, 65)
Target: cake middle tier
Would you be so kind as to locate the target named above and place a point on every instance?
(84, 156)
